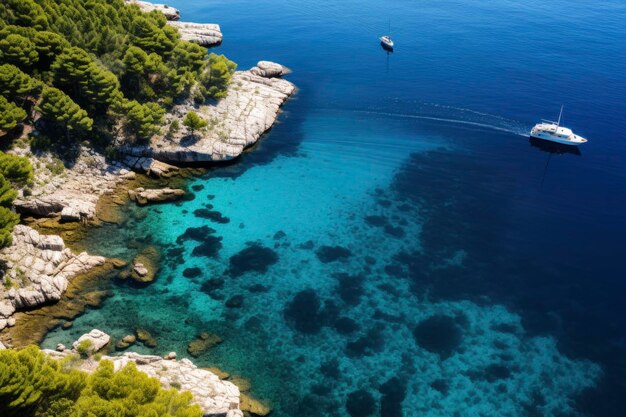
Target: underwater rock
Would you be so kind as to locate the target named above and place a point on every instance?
(327, 254)
(376, 221)
(308, 245)
(254, 258)
(198, 234)
(345, 325)
(236, 301)
(350, 287)
(253, 406)
(242, 383)
(204, 342)
(368, 344)
(303, 312)
(145, 337)
(192, 272)
(212, 215)
(361, 404)
(209, 248)
(393, 392)
(211, 285)
(394, 231)
(279, 235)
(146, 265)
(438, 334)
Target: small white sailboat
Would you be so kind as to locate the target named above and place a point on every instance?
(554, 132)
(386, 41)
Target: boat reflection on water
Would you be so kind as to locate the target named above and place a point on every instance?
(553, 147)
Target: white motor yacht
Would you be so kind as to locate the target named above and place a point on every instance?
(554, 132)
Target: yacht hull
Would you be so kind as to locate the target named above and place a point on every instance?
(560, 141)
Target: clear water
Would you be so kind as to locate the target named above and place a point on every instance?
(475, 274)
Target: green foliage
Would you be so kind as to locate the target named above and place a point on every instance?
(23, 13)
(143, 120)
(10, 114)
(34, 385)
(8, 220)
(217, 76)
(103, 57)
(16, 84)
(194, 122)
(130, 392)
(87, 83)
(18, 50)
(84, 348)
(31, 382)
(57, 107)
(7, 193)
(16, 169)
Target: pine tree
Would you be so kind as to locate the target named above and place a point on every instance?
(194, 122)
(16, 84)
(16, 169)
(19, 50)
(217, 75)
(10, 114)
(143, 120)
(8, 220)
(57, 107)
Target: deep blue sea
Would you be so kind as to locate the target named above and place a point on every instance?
(396, 246)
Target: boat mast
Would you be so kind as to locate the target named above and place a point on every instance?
(560, 114)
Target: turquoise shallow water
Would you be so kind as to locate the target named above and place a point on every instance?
(395, 245)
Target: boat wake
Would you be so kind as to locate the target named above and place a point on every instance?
(453, 115)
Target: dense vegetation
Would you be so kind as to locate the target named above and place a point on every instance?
(96, 70)
(33, 384)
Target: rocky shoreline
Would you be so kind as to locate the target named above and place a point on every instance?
(37, 269)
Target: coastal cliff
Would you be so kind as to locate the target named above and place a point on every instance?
(250, 109)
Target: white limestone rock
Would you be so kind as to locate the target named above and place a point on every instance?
(204, 34)
(98, 339)
(169, 12)
(269, 69)
(39, 268)
(2, 347)
(155, 195)
(72, 193)
(236, 122)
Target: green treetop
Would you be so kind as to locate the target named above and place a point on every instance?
(217, 75)
(15, 84)
(10, 114)
(16, 169)
(19, 50)
(194, 122)
(8, 220)
(58, 108)
(143, 120)
(34, 385)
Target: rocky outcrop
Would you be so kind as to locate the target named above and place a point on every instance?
(150, 166)
(96, 340)
(155, 195)
(71, 191)
(214, 396)
(235, 122)
(38, 270)
(169, 12)
(204, 34)
(269, 69)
